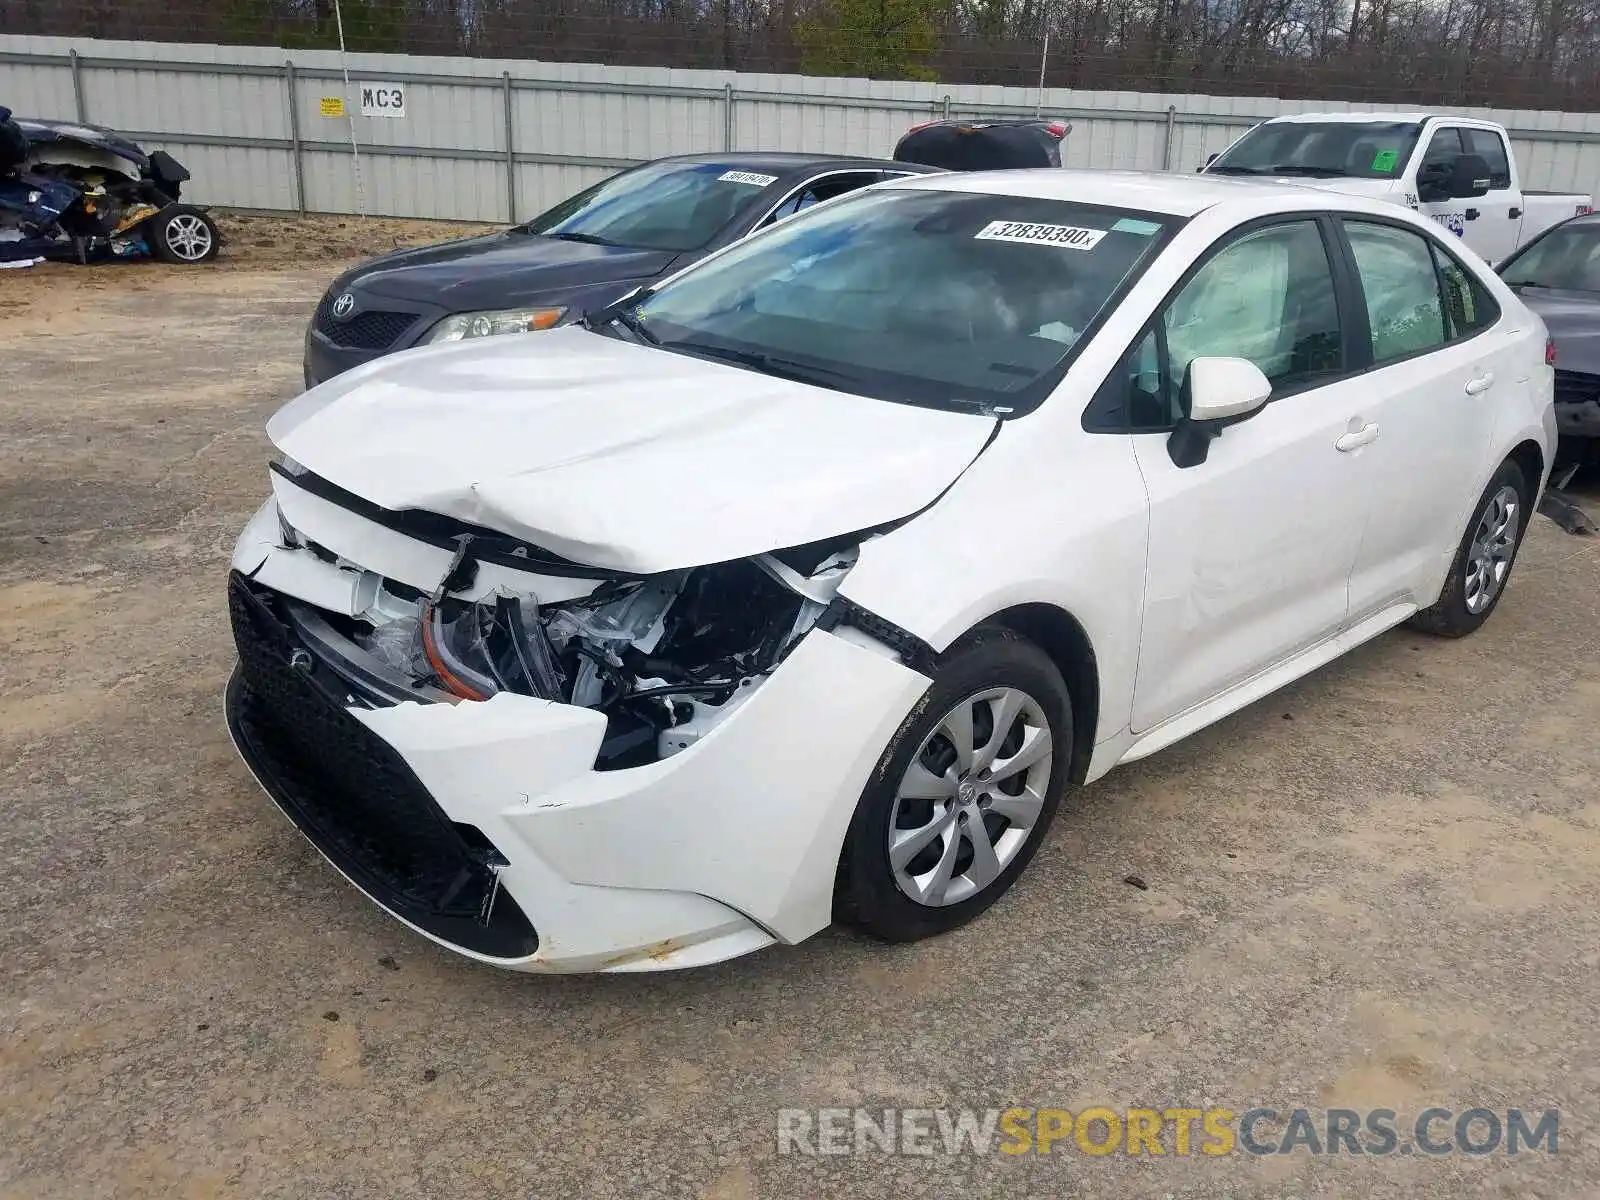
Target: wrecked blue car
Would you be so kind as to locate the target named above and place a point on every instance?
(80, 193)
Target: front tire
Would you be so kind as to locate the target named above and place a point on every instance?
(183, 235)
(963, 794)
(1483, 561)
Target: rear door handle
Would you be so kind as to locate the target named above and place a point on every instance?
(1357, 438)
(1515, 213)
(1472, 214)
(1480, 383)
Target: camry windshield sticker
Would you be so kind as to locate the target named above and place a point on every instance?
(1385, 160)
(1069, 237)
(1142, 228)
(747, 177)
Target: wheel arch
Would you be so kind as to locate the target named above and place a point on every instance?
(1530, 461)
(1061, 636)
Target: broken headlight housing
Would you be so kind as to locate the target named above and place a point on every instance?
(462, 326)
(665, 657)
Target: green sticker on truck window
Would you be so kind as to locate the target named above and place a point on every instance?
(1385, 160)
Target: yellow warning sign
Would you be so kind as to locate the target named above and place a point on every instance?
(333, 106)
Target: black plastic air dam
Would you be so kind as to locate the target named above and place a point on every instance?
(354, 797)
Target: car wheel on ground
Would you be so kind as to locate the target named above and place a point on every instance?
(183, 234)
(1484, 558)
(962, 796)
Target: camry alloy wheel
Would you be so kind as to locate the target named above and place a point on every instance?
(1494, 544)
(971, 797)
(188, 237)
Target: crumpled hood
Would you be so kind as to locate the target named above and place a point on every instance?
(622, 456)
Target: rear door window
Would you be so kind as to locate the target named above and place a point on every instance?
(1405, 311)
(1419, 297)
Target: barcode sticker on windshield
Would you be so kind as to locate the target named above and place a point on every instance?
(749, 177)
(1070, 237)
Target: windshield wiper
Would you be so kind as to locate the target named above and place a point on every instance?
(770, 364)
(587, 239)
(1297, 169)
(1217, 169)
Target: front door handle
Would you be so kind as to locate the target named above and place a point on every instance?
(1480, 383)
(1472, 214)
(1357, 438)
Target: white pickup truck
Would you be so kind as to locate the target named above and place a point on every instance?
(1458, 170)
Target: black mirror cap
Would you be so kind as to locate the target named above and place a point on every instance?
(1470, 177)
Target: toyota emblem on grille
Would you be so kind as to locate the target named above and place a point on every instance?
(344, 306)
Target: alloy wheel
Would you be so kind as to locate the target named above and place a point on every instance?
(971, 797)
(1494, 543)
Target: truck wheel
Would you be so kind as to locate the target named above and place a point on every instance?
(183, 234)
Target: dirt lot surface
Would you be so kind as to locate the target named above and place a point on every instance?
(1380, 888)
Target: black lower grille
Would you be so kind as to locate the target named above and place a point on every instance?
(371, 329)
(354, 796)
(1575, 387)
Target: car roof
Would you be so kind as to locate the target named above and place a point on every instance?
(782, 162)
(1148, 191)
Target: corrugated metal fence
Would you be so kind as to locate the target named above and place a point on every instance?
(484, 139)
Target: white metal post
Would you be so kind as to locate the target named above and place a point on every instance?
(350, 116)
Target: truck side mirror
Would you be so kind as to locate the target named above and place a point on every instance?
(1433, 181)
(1210, 158)
(1469, 177)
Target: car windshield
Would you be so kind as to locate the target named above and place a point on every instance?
(671, 206)
(1332, 149)
(1567, 259)
(943, 299)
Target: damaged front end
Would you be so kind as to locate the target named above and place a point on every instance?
(350, 682)
(665, 658)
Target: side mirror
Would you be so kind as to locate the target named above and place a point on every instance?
(1469, 177)
(1433, 181)
(1219, 392)
(1210, 158)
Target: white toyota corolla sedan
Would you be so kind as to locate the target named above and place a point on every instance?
(802, 586)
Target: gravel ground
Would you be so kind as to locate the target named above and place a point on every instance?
(1379, 888)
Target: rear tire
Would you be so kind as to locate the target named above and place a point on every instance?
(963, 795)
(1483, 561)
(183, 235)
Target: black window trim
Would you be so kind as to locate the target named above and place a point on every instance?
(1101, 415)
(1437, 246)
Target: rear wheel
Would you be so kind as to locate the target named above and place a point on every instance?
(963, 793)
(181, 233)
(1484, 559)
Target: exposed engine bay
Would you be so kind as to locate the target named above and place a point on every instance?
(665, 657)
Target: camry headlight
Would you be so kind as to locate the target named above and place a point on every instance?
(486, 324)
